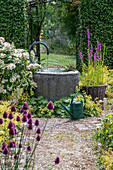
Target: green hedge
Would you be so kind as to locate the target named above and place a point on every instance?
(13, 21)
(97, 16)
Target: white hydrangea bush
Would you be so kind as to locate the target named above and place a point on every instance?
(15, 69)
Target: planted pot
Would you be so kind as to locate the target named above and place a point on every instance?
(96, 91)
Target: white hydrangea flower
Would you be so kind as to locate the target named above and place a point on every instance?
(11, 66)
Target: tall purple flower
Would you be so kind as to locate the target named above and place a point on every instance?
(13, 108)
(88, 35)
(81, 56)
(10, 116)
(95, 57)
(98, 45)
(38, 138)
(36, 122)
(5, 115)
(30, 121)
(1, 121)
(17, 118)
(11, 144)
(25, 106)
(95, 66)
(38, 131)
(10, 125)
(20, 145)
(5, 151)
(30, 126)
(89, 55)
(57, 160)
(29, 115)
(50, 105)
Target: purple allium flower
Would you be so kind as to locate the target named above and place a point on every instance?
(20, 145)
(22, 110)
(30, 121)
(25, 106)
(36, 122)
(81, 56)
(10, 116)
(29, 115)
(15, 156)
(12, 131)
(13, 108)
(29, 148)
(95, 66)
(5, 151)
(38, 138)
(11, 144)
(3, 145)
(38, 131)
(30, 126)
(17, 118)
(5, 115)
(14, 144)
(50, 105)
(10, 125)
(24, 118)
(57, 160)
(1, 121)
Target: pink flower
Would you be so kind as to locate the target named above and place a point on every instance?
(50, 105)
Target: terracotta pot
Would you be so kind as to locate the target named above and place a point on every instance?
(96, 91)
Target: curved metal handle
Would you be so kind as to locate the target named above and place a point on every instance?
(35, 43)
(76, 95)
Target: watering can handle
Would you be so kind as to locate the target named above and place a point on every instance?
(76, 95)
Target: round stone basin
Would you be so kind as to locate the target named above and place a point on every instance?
(54, 83)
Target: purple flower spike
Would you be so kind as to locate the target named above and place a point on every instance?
(17, 118)
(95, 66)
(16, 156)
(10, 125)
(5, 151)
(50, 105)
(5, 115)
(10, 116)
(100, 47)
(20, 145)
(98, 44)
(12, 131)
(13, 108)
(11, 144)
(29, 115)
(1, 121)
(25, 106)
(14, 144)
(30, 126)
(88, 34)
(29, 148)
(38, 131)
(24, 118)
(36, 122)
(57, 160)
(30, 121)
(38, 138)
(3, 145)
(22, 110)
(81, 56)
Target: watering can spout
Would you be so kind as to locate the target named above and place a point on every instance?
(66, 110)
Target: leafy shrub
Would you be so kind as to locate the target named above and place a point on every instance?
(109, 90)
(37, 106)
(15, 69)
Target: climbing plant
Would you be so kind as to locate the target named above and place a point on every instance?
(13, 21)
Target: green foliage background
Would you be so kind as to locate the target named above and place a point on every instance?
(13, 21)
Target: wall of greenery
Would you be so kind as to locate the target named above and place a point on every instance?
(13, 22)
(97, 16)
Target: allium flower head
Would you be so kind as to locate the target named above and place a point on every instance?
(98, 44)
(5, 151)
(10, 116)
(95, 66)
(10, 125)
(57, 160)
(22, 110)
(38, 138)
(15, 156)
(3, 145)
(1, 121)
(38, 131)
(13, 108)
(36, 122)
(11, 144)
(30, 126)
(50, 105)
(30, 121)
(5, 115)
(29, 148)
(20, 145)
(14, 144)
(24, 118)
(12, 131)
(29, 115)
(25, 106)
(17, 118)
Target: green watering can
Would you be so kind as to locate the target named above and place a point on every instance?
(76, 108)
